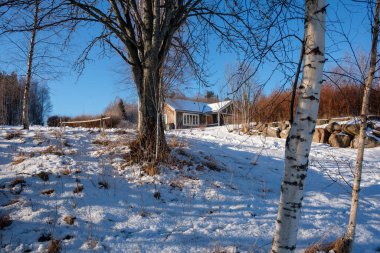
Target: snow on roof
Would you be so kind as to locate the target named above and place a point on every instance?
(215, 107)
(195, 106)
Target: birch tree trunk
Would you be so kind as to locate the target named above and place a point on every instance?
(25, 106)
(362, 133)
(299, 140)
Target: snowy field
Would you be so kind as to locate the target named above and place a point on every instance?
(219, 195)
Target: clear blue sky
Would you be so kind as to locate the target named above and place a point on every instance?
(105, 78)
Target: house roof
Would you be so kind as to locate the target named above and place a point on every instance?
(194, 106)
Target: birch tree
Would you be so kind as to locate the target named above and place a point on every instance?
(362, 131)
(299, 140)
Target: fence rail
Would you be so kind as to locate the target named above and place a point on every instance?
(101, 121)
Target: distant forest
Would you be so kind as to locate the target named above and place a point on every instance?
(11, 95)
(335, 101)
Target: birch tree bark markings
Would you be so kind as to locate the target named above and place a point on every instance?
(298, 143)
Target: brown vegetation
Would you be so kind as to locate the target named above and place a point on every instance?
(335, 101)
(339, 246)
(54, 246)
(151, 169)
(5, 221)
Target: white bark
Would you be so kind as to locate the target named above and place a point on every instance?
(362, 135)
(299, 140)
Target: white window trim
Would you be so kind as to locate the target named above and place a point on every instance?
(165, 118)
(190, 119)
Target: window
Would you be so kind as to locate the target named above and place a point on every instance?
(190, 119)
(165, 119)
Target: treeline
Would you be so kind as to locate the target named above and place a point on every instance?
(335, 101)
(122, 115)
(11, 97)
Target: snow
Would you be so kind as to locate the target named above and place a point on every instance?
(221, 195)
(195, 106)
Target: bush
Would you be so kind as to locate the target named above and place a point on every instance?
(54, 121)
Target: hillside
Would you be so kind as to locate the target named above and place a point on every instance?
(219, 193)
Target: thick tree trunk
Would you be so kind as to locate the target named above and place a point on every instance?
(150, 138)
(299, 140)
(362, 133)
(25, 106)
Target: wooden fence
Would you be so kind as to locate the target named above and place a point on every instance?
(87, 123)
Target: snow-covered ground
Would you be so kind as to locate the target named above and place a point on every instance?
(221, 193)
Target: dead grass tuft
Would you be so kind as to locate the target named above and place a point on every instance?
(47, 192)
(69, 219)
(103, 184)
(182, 152)
(43, 175)
(44, 237)
(17, 181)
(151, 169)
(11, 202)
(19, 159)
(212, 165)
(5, 221)
(79, 188)
(102, 142)
(176, 183)
(157, 195)
(54, 246)
(66, 172)
(52, 150)
(12, 135)
(339, 246)
(200, 167)
(176, 143)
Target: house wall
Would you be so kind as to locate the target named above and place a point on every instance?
(202, 120)
(170, 114)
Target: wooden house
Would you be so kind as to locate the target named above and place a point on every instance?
(181, 113)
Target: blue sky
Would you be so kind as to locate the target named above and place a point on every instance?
(106, 78)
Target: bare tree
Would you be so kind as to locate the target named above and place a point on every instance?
(298, 143)
(246, 96)
(363, 128)
(142, 33)
(25, 107)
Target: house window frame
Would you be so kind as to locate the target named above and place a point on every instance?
(165, 118)
(190, 119)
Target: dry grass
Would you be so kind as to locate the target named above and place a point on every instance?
(176, 143)
(5, 221)
(66, 172)
(19, 159)
(151, 169)
(211, 163)
(17, 181)
(44, 238)
(52, 150)
(102, 142)
(69, 219)
(177, 183)
(157, 195)
(54, 246)
(12, 135)
(182, 152)
(79, 188)
(103, 184)
(47, 192)
(339, 246)
(11, 202)
(43, 175)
